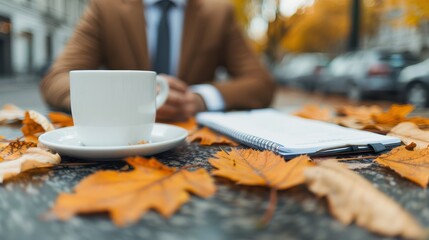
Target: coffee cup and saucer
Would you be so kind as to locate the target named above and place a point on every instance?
(114, 116)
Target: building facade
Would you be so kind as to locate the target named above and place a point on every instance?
(34, 32)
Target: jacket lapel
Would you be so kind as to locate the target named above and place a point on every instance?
(134, 25)
(193, 27)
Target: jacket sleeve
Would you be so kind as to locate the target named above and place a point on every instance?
(81, 52)
(251, 85)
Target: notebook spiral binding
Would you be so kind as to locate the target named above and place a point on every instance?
(247, 139)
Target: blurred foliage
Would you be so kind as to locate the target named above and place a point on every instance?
(324, 26)
(409, 12)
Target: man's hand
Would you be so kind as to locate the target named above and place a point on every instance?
(181, 103)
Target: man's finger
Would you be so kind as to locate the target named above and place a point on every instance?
(175, 98)
(175, 83)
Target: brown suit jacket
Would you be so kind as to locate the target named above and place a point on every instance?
(112, 34)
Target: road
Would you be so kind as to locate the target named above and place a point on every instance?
(285, 98)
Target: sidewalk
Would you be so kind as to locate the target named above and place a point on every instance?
(22, 91)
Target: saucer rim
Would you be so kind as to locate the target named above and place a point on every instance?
(61, 147)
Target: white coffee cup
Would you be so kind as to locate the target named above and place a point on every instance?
(115, 107)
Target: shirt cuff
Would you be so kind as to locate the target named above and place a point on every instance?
(211, 96)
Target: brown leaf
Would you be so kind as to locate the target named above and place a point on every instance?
(11, 113)
(413, 165)
(190, 125)
(409, 132)
(209, 137)
(315, 112)
(32, 158)
(361, 114)
(260, 168)
(129, 195)
(351, 122)
(60, 119)
(15, 149)
(35, 123)
(353, 198)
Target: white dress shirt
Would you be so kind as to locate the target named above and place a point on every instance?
(212, 97)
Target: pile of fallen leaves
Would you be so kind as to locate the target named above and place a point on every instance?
(128, 195)
(24, 153)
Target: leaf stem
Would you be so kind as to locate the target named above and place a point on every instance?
(269, 213)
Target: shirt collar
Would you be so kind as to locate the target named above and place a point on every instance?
(180, 3)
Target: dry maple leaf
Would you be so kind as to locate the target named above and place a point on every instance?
(410, 164)
(261, 168)
(315, 112)
(60, 119)
(394, 115)
(209, 137)
(35, 123)
(32, 158)
(409, 132)
(11, 113)
(352, 122)
(352, 198)
(15, 149)
(129, 195)
(190, 124)
(362, 114)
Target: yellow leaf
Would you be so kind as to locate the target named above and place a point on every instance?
(352, 198)
(129, 195)
(410, 164)
(409, 132)
(208, 137)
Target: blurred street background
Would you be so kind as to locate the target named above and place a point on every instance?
(319, 51)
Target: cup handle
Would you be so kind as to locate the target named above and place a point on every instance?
(163, 91)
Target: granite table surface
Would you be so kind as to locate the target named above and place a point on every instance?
(232, 213)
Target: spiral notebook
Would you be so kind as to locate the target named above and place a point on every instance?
(290, 136)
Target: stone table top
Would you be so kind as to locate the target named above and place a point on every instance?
(232, 213)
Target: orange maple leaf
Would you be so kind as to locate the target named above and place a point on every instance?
(209, 137)
(363, 114)
(129, 195)
(15, 149)
(35, 123)
(412, 164)
(394, 115)
(315, 112)
(261, 168)
(190, 124)
(60, 119)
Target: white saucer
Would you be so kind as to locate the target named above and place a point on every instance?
(65, 142)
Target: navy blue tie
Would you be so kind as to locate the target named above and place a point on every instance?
(162, 57)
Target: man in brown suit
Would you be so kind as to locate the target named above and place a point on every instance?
(116, 34)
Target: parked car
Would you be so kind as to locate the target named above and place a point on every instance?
(300, 70)
(362, 73)
(413, 84)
